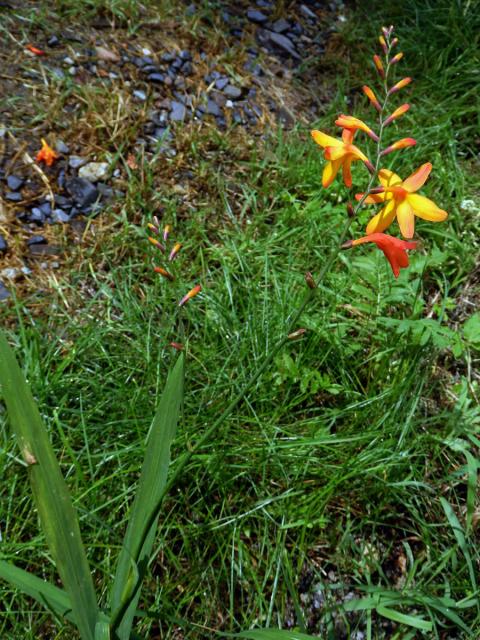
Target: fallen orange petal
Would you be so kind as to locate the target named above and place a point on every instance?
(47, 154)
(35, 50)
(191, 294)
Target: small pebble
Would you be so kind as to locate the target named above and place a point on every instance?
(256, 16)
(62, 147)
(13, 196)
(14, 182)
(178, 111)
(53, 41)
(141, 95)
(3, 245)
(36, 240)
(75, 162)
(4, 292)
(94, 171)
(232, 92)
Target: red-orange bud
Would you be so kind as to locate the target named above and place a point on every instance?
(396, 58)
(164, 273)
(400, 144)
(372, 97)
(177, 345)
(379, 65)
(383, 44)
(35, 50)
(400, 84)
(396, 114)
(191, 294)
(299, 333)
(156, 243)
(350, 210)
(174, 251)
(310, 281)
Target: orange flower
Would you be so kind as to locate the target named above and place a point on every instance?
(35, 50)
(402, 202)
(393, 248)
(46, 154)
(350, 122)
(339, 153)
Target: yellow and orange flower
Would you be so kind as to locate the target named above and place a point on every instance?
(47, 154)
(402, 201)
(393, 248)
(339, 153)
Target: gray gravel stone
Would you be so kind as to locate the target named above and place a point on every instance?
(62, 147)
(82, 191)
(141, 95)
(178, 111)
(284, 43)
(14, 182)
(3, 245)
(4, 292)
(13, 196)
(256, 16)
(75, 162)
(94, 171)
(213, 109)
(232, 92)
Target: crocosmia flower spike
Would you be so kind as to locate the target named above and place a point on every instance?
(338, 153)
(393, 248)
(402, 201)
(47, 154)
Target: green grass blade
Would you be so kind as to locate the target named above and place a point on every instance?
(55, 509)
(142, 524)
(53, 598)
(272, 634)
(403, 618)
(460, 538)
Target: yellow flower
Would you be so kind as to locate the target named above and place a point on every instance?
(339, 153)
(402, 202)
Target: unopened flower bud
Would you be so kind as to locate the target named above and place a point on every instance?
(396, 114)
(396, 58)
(299, 333)
(350, 210)
(383, 44)
(400, 144)
(177, 345)
(379, 65)
(191, 294)
(400, 84)
(310, 281)
(394, 42)
(157, 244)
(166, 232)
(164, 273)
(153, 228)
(372, 97)
(174, 251)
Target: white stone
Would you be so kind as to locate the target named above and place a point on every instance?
(94, 171)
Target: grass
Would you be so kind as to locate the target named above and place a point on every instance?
(347, 472)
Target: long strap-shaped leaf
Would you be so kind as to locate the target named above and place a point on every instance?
(272, 634)
(142, 524)
(55, 509)
(49, 595)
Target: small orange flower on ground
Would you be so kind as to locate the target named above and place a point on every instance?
(47, 154)
(402, 201)
(35, 50)
(393, 248)
(338, 153)
(191, 294)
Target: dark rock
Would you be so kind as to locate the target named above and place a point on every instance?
(62, 147)
(236, 32)
(151, 68)
(36, 215)
(256, 16)
(232, 92)
(284, 43)
(13, 196)
(63, 202)
(157, 78)
(75, 162)
(177, 63)
(221, 83)
(53, 41)
(146, 60)
(178, 111)
(45, 250)
(46, 208)
(280, 25)
(59, 215)
(61, 179)
(297, 29)
(213, 109)
(307, 13)
(3, 244)
(168, 57)
(185, 55)
(14, 182)
(187, 69)
(36, 240)
(82, 191)
(4, 292)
